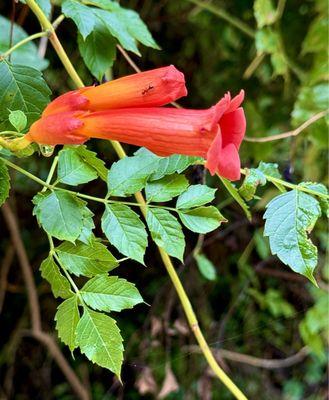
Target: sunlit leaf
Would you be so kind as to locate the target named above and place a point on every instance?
(202, 219)
(166, 231)
(60, 286)
(86, 259)
(110, 293)
(100, 340)
(165, 188)
(195, 195)
(124, 229)
(72, 169)
(67, 318)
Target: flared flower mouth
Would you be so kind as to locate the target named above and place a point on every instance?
(230, 124)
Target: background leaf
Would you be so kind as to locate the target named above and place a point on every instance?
(25, 55)
(4, 182)
(206, 267)
(21, 88)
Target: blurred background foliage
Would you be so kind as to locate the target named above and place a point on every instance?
(248, 302)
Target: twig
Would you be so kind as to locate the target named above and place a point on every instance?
(294, 132)
(259, 362)
(255, 63)
(128, 59)
(5, 266)
(12, 224)
(37, 332)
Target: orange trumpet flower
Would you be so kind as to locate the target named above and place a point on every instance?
(152, 88)
(214, 134)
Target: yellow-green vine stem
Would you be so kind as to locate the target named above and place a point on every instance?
(22, 42)
(45, 23)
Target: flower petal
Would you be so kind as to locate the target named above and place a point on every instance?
(229, 163)
(152, 88)
(71, 101)
(214, 153)
(236, 102)
(233, 127)
(57, 129)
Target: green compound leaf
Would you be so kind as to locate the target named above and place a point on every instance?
(257, 176)
(60, 214)
(195, 195)
(82, 16)
(60, 286)
(202, 219)
(90, 158)
(86, 236)
(98, 50)
(174, 163)
(26, 54)
(4, 182)
(21, 88)
(87, 260)
(72, 169)
(117, 29)
(99, 338)
(166, 231)
(67, 318)
(130, 174)
(125, 231)
(136, 27)
(289, 219)
(206, 267)
(110, 293)
(165, 188)
(168, 165)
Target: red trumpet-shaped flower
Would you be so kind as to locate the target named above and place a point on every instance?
(215, 134)
(127, 110)
(152, 88)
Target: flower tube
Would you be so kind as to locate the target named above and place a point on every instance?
(214, 134)
(152, 88)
